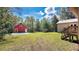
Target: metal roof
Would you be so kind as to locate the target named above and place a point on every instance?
(67, 21)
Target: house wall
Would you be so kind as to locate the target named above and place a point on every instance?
(61, 26)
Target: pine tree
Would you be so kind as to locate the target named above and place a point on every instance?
(55, 20)
(37, 25)
(30, 22)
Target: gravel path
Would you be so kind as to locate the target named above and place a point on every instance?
(42, 45)
(19, 33)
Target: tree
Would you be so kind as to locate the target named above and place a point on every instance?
(54, 21)
(7, 21)
(37, 25)
(3, 22)
(65, 14)
(30, 22)
(45, 25)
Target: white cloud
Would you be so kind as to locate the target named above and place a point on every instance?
(48, 11)
(40, 13)
(47, 16)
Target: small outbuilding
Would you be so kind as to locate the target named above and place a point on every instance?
(20, 28)
(65, 23)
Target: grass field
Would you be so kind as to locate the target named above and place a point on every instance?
(38, 41)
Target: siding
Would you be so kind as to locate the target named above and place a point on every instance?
(61, 26)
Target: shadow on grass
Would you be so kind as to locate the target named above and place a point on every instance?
(5, 42)
(72, 41)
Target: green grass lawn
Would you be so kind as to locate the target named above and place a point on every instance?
(38, 41)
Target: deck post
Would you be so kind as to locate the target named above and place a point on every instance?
(78, 23)
(77, 14)
(78, 28)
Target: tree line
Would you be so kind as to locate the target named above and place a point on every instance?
(43, 25)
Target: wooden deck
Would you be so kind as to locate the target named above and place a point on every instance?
(70, 32)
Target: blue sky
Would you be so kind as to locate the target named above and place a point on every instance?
(37, 12)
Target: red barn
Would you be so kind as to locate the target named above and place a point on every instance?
(20, 28)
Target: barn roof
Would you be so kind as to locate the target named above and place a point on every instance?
(67, 21)
(19, 25)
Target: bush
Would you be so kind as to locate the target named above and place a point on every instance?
(45, 30)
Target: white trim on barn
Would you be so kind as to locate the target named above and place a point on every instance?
(65, 23)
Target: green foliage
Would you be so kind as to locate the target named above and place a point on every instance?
(65, 14)
(30, 22)
(7, 21)
(3, 16)
(49, 25)
(45, 25)
(37, 25)
(54, 21)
